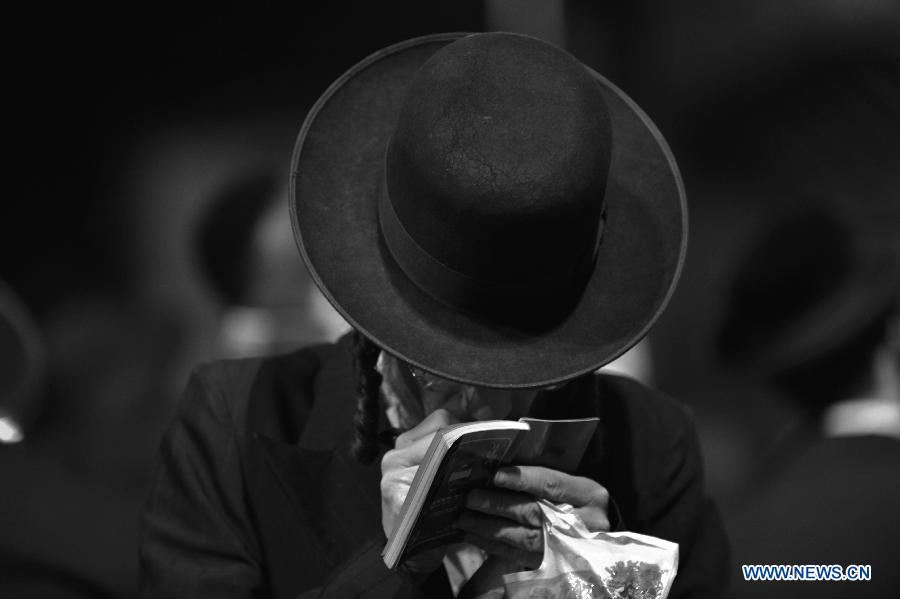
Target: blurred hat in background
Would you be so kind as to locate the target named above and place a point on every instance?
(806, 289)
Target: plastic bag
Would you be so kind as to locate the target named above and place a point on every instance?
(579, 564)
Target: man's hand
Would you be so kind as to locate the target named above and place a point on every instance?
(506, 521)
(398, 467)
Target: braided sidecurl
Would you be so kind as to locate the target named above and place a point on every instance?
(366, 446)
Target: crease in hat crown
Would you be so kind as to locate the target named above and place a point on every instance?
(495, 174)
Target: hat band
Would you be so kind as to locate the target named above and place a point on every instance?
(466, 293)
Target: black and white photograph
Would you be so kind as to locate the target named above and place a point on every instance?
(274, 274)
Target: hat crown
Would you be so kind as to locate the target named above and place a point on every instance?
(498, 164)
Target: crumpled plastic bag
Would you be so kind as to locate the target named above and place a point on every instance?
(579, 564)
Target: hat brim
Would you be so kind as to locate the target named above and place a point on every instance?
(336, 173)
(824, 327)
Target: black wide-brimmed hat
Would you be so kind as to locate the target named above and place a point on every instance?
(489, 209)
(806, 290)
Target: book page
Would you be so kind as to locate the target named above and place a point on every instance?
(557, 444)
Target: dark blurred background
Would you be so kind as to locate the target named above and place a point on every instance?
(148, 146)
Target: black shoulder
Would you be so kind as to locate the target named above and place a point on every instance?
(261, 392)
(645, 431)
(654, 411)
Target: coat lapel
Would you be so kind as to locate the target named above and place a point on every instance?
(315, 504)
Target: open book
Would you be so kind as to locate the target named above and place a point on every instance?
(464, 457)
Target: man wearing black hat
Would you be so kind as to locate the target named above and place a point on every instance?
(496, 221)
(814, 312)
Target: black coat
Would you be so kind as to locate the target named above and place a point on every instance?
(825, 501)
(256, 494)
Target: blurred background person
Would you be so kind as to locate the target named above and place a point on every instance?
(245, 250)
(820, 320)
(80, 415)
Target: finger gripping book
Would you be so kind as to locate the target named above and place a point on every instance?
(465, 456)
